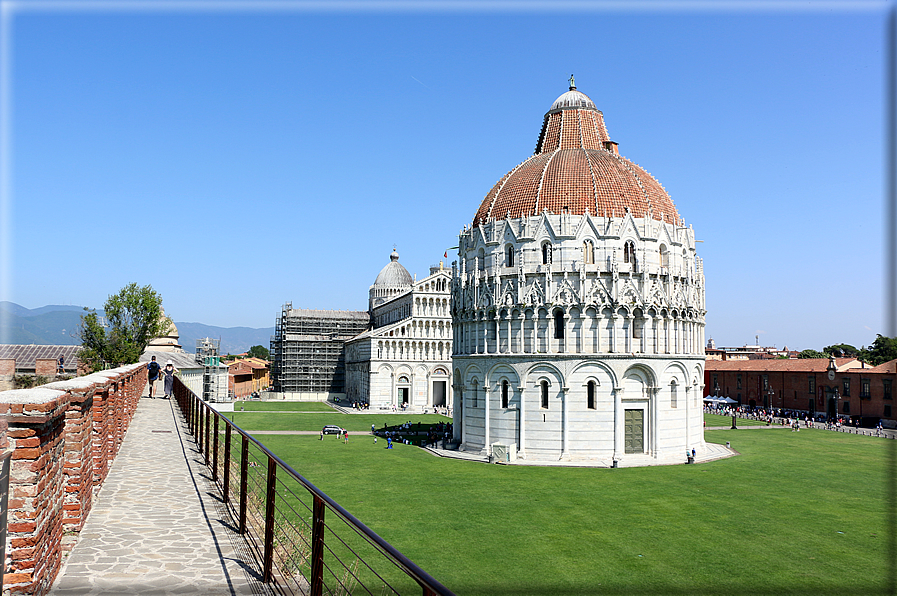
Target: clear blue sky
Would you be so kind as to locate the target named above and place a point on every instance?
(238, 159)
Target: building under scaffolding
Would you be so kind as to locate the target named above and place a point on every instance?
(214, 374)
(308, 351)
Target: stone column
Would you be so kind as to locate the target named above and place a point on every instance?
(510, 333)
(393, 401)
(619, 424)
(614, 332)
(563, 343)
(498, 318)
(549, 333)
(521, 346)
(486, 441)
(654, 415)
(647, 333)
(565, 425)
(459, 410)
(688, 393)
(521, 451)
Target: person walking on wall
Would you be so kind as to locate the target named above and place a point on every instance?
(168, 378)
(153, 370)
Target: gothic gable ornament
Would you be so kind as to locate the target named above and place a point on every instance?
(486, 298)
(534, 294)
(565, 294)
(629, 294)
(598, 294)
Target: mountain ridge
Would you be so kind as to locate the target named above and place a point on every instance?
(58, 324)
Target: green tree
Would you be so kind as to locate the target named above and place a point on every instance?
(883, 349)
(258, 352)
(811, 354)
(840, 350)
(134, 317)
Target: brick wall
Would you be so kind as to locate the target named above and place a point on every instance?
(63, 437)
(45, 367)
(7, 373)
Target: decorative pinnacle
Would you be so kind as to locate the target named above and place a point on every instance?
(572, 83)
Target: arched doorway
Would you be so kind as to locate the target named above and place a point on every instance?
(403, 391)
(439, 389)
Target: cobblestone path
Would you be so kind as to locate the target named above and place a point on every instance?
(157, 525)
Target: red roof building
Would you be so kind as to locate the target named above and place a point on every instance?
(812, 385)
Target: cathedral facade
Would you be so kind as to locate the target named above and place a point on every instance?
(403, 361)
(578, 307)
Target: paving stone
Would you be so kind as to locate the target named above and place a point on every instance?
(157, 526)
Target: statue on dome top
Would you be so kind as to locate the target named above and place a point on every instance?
(572, 83)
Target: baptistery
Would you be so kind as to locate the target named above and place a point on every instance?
(578, 308)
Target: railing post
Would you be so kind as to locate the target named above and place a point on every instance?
(244, 481)
(270, 502)
(317, 547)
(206, 411)
(226, 490)
(215, 448)
(199, 414)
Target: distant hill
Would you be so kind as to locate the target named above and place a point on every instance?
(58, 324)
(50, 325)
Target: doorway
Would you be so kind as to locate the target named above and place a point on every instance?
(439, 393)
(634, 434)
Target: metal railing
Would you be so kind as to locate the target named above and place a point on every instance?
(304, 542)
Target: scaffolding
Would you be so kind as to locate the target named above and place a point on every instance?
(308, 348)
(214, 375)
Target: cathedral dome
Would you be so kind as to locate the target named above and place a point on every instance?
(394, 274)
(576, 169)
(392, 280)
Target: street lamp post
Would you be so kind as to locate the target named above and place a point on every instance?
(835, 398)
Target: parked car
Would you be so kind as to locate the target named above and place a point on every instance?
(331, 429)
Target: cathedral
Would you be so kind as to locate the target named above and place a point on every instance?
(577, 307)
(403, 361)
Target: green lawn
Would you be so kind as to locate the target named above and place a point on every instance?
(282, 406)
(796, 513)
(262, 421)
(712, 420)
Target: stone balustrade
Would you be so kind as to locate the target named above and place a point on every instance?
(63, 437)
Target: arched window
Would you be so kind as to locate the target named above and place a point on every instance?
(590, 395)
(481, 259)
(545, 395)
(558, 325)
(588, 252)
(546, 253)
(664, 256)
(509, 256)
(629, 252)
(673, 396)
(504, 394)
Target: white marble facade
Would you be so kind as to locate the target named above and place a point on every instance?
(579, 335)
(404, 360)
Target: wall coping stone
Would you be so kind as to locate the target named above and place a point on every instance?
(37, 395)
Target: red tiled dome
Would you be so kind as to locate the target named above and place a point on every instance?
(576, 166)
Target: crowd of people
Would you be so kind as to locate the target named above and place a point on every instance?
(418, 433)
(790, 418)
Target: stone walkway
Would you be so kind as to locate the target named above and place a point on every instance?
(157, 525)
(711, 452)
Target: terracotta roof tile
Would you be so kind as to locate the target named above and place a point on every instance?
(778, 365)
(573, 169)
